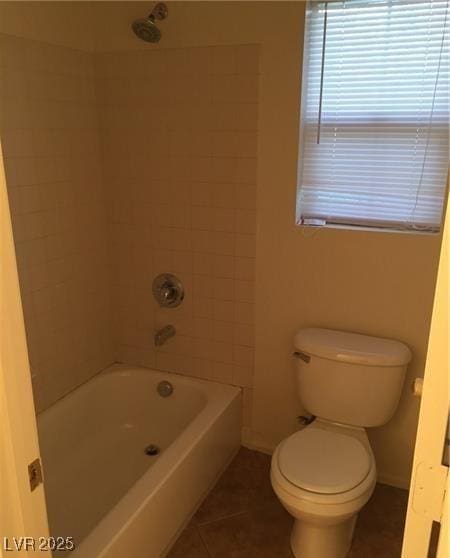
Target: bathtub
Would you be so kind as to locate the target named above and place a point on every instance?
(103, 489)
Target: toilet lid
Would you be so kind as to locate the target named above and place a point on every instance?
(323, 461)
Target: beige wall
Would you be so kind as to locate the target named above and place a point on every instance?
(67, 23)
(49, 135)
(372, 282)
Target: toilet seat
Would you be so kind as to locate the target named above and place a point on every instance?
(321, 501)
(323, 461)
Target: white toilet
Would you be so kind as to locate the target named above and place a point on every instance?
(325, 473)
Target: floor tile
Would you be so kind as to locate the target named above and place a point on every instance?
(189, 545)
(259, 533)
(244, 486)
(379, 528)
(242, 518)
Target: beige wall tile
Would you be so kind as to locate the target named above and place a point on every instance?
(223, 310)
(223, 372)
(223, 219)
(223, 288)
(247, 59)
(223, 331)
(50, 143)
(243, 334)
(244, 313)
(243, 375)
(244, 291)
(223, 266)
(244, 268)
(247, 404)
(106, 193)
(245, 245)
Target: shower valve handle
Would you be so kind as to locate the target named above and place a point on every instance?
(168, 290)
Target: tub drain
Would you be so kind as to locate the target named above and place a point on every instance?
(152, 449)
(165, 389)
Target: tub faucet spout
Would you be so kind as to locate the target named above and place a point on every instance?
(163, 334)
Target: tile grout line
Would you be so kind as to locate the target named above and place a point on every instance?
(204, 542)
(222, 518)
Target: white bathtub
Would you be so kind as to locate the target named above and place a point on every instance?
(101, 487)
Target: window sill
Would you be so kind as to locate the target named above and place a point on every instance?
(334, 226)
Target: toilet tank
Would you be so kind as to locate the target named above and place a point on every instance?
(349, 378)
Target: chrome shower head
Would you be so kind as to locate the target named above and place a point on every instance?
(146, 29)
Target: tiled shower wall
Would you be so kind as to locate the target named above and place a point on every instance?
(121, 166)
(49, 133)
(179, 140)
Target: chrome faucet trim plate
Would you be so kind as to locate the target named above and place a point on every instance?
(168, 290)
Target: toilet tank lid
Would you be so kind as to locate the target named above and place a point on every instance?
(353, 348)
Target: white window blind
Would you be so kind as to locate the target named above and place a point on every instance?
(374, 146)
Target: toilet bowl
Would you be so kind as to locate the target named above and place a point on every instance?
(323, 475)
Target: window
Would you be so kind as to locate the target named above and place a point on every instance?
(374, 145)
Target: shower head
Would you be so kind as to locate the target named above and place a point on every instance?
(146, 29)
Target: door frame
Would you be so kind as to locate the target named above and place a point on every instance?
(22, 510)
(428, 496)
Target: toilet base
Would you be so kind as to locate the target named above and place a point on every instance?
(324, 541)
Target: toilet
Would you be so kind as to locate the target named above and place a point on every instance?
(326, 472)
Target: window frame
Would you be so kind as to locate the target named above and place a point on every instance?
(344, 224)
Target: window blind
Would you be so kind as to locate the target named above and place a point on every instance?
(374, 145)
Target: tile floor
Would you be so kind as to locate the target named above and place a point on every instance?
(242, 518)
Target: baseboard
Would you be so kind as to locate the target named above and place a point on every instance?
(253, 442)
(246, 436)
(397, 482)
